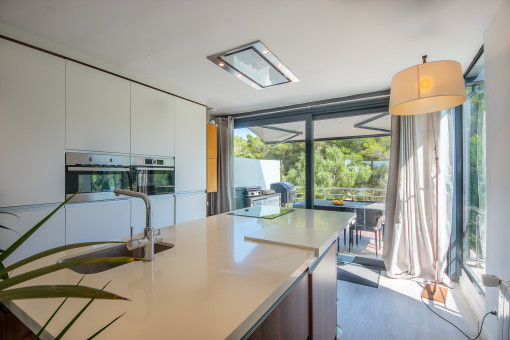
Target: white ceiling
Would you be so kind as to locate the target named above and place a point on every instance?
(335, 47)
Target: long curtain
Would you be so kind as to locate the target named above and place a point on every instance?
(223, 200)
(410, 227)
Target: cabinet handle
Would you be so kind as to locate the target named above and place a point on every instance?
(94, 169)
(155, 169)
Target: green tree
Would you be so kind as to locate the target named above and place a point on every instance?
(347, 163)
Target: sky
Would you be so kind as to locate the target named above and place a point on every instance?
(243, 132)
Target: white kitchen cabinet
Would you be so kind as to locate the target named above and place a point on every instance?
(189, 207)
(162, 207)
(50, 235)
(97, 110)
(32, 136)
(190, 146)
(152, 121)
(97, 221)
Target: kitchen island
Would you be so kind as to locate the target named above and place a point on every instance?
(213, 284)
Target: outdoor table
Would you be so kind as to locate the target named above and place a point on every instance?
(347, 206)
(357, 207)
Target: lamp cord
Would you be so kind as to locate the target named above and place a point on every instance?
(451, 323)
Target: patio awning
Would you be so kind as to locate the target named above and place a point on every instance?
(377, 124)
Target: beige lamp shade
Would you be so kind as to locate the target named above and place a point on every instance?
(427, 87)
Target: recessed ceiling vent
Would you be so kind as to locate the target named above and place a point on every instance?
(254, 64)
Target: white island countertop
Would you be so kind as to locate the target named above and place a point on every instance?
(212, 285)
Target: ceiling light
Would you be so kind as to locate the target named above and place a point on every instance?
(256, 63)
(427, 87)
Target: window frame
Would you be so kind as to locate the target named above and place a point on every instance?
(455, 256)
(356, 105)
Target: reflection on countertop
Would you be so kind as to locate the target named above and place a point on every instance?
(267, 212)
(212, 284)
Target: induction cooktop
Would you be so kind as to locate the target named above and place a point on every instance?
(267, 212)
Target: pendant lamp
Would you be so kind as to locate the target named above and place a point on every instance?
(426, 88)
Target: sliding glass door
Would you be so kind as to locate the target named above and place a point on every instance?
(351, 159)
(266, 154)
(474, 175)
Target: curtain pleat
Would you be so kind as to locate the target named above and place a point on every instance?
(410, 231)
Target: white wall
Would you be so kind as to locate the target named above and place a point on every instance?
(256, 172)
(497, 80)
(38, 41)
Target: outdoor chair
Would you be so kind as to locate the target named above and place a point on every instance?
(373, 222)
(352, 229)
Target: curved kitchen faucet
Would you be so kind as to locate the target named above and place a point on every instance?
(148, 240)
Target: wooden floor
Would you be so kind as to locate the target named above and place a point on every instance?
(365, 246)
(395, 311)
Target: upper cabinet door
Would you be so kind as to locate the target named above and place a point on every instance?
(212, 141)
(32, 122)
(97, 110)
(190, 146)
(152, 121)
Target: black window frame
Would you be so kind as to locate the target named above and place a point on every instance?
(455, 256)
(356, 105)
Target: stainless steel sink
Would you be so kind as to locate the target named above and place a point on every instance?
(113, 251)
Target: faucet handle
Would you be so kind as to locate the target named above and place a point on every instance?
(157, 236)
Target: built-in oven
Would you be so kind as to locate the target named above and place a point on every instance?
(153, 176)
(96, 176)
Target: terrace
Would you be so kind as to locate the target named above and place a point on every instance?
(362, 201)
(350, 163)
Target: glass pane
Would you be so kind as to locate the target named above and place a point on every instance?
(154, 182)
(264, 155)
(250, 63)
(352, 169)
(351, 175)
(474, 173)
(102, 181)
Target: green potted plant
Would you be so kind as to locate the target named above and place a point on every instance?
(7, 282)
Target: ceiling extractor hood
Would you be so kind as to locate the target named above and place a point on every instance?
(254, 64)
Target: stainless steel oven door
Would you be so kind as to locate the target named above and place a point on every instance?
(154, 180)
(96, 182)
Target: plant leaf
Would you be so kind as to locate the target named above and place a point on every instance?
(55, 312)
(9, 213)
(4, 276)
(56, 291)
(23, 238)
(14, 280)
(4, 227)
(105, 327)
(66, 328)
(50, 252)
